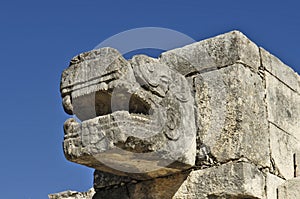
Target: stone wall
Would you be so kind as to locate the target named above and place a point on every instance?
(244, 124)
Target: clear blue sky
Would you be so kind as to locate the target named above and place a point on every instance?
(37, 40)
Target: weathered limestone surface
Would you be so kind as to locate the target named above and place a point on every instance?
(232, 114)
(279, 70)
(233, 180)
(290, 189)
(283, 106)
(216, 119)
(283, 147)
(272, 183)
(210, 54)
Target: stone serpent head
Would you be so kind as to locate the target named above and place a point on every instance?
(134, 117)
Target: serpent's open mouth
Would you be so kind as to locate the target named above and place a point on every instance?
(114, 110)
(105, 102)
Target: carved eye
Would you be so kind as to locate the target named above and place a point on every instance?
(149, 75)
(150, 67)
(180, 89)
(165, 79)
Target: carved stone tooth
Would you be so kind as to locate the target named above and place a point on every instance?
(103, 86)
(69, 126)
(112, 85)
(64, 90)
(67, 104)
(140, 117)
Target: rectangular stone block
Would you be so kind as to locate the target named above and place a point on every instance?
(281, 71)
(283, 147)
(272, 183)
(283, 106)
(232, 180)
(213, 53)
(290, 189)
(232, 119)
